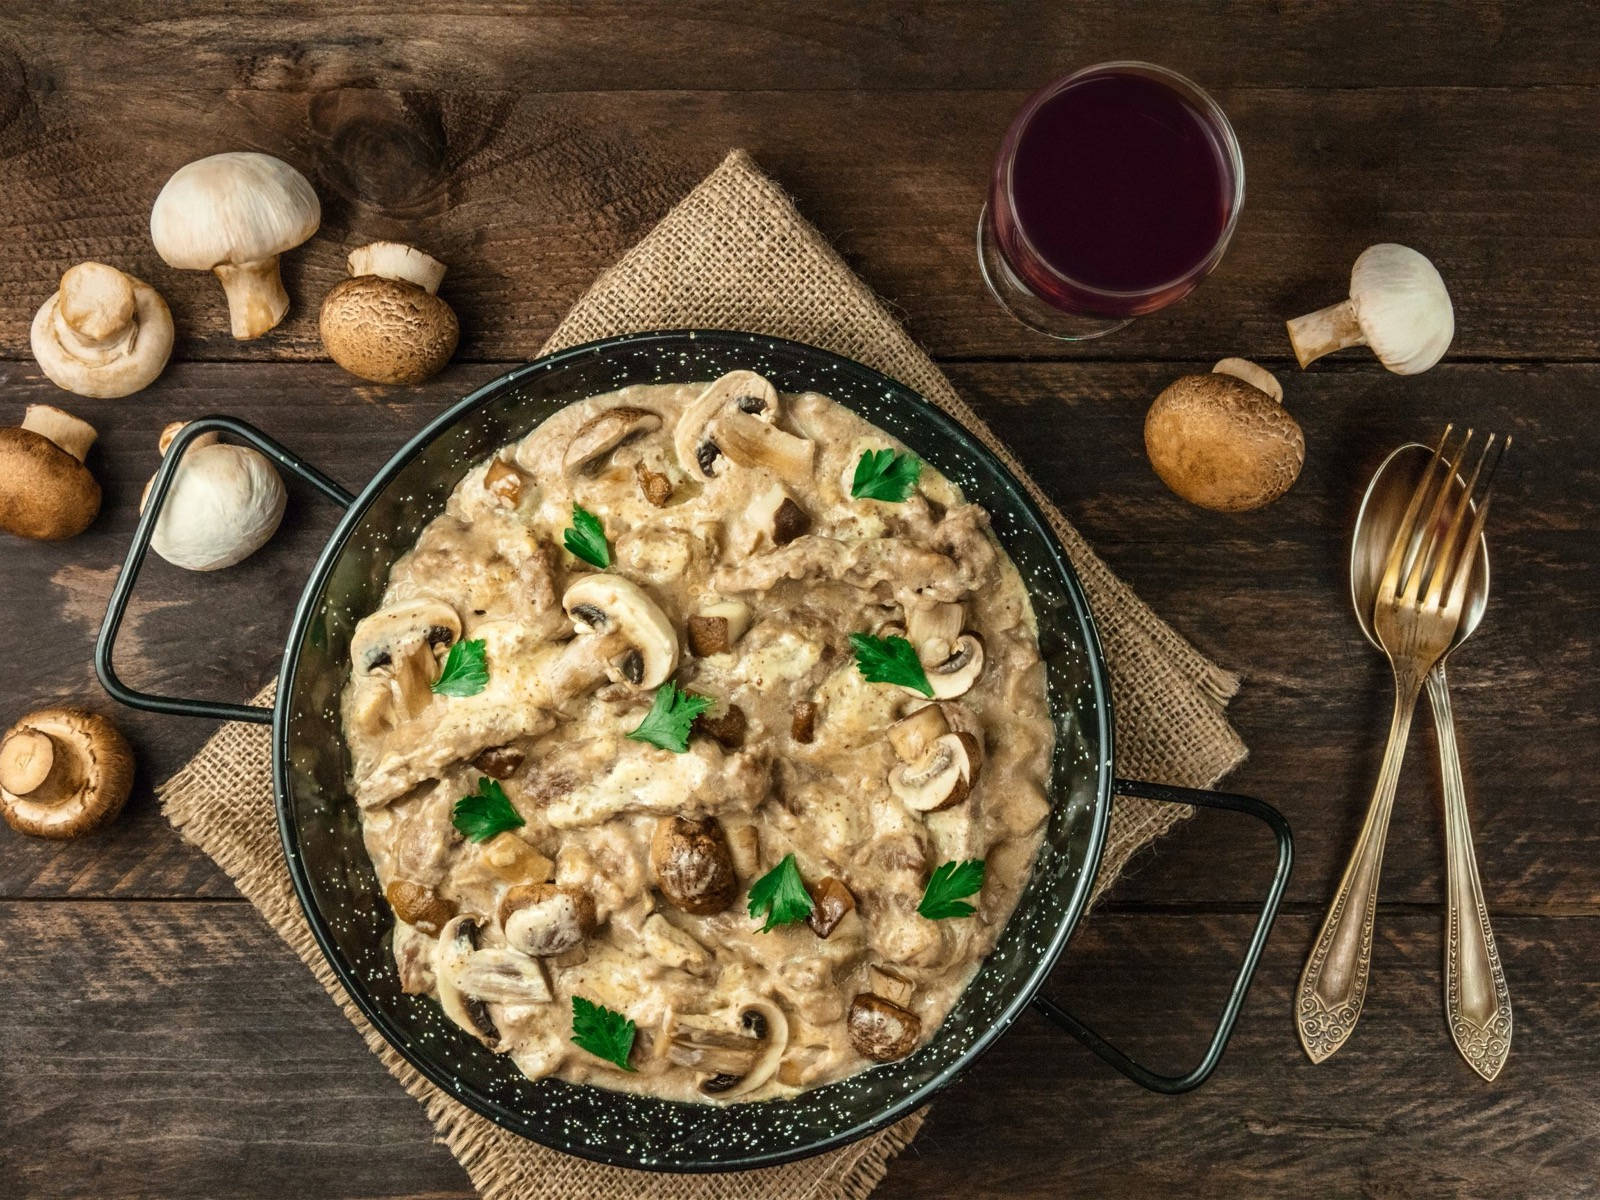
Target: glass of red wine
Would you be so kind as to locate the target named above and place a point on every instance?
(1115, 193)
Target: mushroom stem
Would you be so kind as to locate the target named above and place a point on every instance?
(27, 760)
(256, 299)
(1323, 332)
(1257, 377)
(393, 260)
(94, 318)
(64, 429)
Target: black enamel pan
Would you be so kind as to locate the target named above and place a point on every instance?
(334, 879)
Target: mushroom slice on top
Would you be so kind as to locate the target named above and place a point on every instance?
(622, 630)
(933, 629)
(545, 919)
(941, 777)
(735, 1058)
(63, 772)
(954, 675)
(880, 1029)
(749, 442)
(742, 391)
(404, 645)
(604, 433)
(470, 979)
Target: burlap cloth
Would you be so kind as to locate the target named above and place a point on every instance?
(734, 254)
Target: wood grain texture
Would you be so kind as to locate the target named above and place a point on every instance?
(177, 1049)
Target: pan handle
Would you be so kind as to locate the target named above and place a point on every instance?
(117, 607)
(1173, 1085)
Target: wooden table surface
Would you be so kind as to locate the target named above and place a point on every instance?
(159, 1040)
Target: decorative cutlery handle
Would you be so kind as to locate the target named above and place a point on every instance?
(1476, 999)
(1333, 985)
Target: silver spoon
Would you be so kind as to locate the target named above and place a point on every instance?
(1477, 1001)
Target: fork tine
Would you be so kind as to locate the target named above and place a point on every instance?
(1464, 568)
(1450, 547)
(1430, 546)
(1405, 535)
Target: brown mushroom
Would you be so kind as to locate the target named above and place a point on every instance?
(831, 902)
(727, 729)
(63, 772)
(880, 1029)
(545, 919)
(656, 487)
(692, 864)
(598, 437)
(717, 626)
(498, 762)
(803, 722)
(1223, 441)
(46, 493)
(419, 905)
(771, 518)
(504, 482)
(385, 323)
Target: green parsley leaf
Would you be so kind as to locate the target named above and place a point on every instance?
(947, 885)
(671, 713)
(890, 660)
(780, 895)
(466, 670)
(485, 813)
(885, 475)
(603, 1033)
(586, 538)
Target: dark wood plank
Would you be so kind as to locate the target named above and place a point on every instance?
(1262, 593)
(526, 196)
(166, 1049)
(658, 44)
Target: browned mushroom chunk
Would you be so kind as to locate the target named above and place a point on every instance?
(498, 762)
(831, 903)
(716, 627)
(546, 919)
(419, 905)
(504, 482)
(803, 722)
(692, 864)
(728, 729)
(655, 486)
(881, 1030)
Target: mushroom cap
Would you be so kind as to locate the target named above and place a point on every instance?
(96, 310)
(1223, 444)
(378, 635)
(1403, 307)
(604, 603)
(693, 865)
(880, 1029)
(63, 772)
(223, 505)
(387, 330)
(238, 207)
(45, 493)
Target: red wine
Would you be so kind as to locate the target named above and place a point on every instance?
(1115, 191)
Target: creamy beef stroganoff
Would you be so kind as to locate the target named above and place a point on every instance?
(740, 565)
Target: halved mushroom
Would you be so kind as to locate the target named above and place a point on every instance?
(733, 420)
(831, 902)
(732, 1061)
(941, 777)
(955, 674)
(404, 645)
(717, 626)
(471, 979)
(622, 634)
(600, 436)
(934, 630)
(63, 772)
(880, 1029)
(692, 864)
(545, 919)
(911, 736)
(419, 905)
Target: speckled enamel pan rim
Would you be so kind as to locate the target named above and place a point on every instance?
(672, 342)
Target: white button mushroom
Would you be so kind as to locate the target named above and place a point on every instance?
(46, 493)
(1398, 305)
(386, 323)
(103, 334)
(1223, 441)
(233, 214)
(224, 504)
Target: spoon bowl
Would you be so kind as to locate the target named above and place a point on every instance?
(1382, 509)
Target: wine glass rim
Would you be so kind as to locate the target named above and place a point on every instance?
(1217, 122)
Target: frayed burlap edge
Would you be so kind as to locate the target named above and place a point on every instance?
(736, 254)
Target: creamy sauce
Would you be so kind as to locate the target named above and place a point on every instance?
(554, 718)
